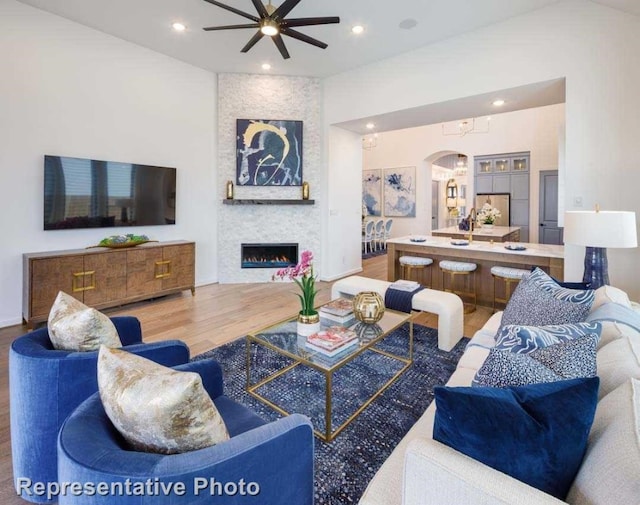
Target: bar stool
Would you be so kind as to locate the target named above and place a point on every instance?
(409, 263)
(509, 275)
(453, 268)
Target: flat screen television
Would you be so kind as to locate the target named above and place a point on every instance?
(83, 193)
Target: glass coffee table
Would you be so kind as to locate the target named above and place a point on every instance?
(284, 377)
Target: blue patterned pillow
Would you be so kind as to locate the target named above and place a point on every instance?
(524, 339)
(537, 434)
(571, 359)
(549, 284)
(531, 305)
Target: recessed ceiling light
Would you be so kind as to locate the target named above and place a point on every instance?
(357, 29)
(266, 66)
(179, 27)
(498, 103)
(370, 126)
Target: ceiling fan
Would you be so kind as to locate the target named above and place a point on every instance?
(272, 22)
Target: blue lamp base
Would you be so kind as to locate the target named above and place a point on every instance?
(596, 267)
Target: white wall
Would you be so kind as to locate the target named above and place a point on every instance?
(245, 96)
(535, 130)
(342, 214)
(593, 46)
(69, 90)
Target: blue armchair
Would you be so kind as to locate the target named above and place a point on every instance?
(46, 385)
(262, 463)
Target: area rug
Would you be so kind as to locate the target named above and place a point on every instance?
(344, 466)
(373, 254)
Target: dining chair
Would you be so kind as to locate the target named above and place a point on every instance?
(387, 231)
(378, 239)
(367, 238)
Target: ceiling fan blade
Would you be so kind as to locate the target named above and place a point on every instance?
(260, 8)
(285, 8)
(230, 27)
(234, 10)
(301, 36)
(252, 42)
(277, 40)
(310, 21)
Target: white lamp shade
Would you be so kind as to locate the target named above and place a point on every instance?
(604, 228)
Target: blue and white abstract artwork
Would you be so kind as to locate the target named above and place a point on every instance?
(372, 191)
(400, 192)
(268, 152)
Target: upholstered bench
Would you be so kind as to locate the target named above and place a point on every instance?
(447, 306)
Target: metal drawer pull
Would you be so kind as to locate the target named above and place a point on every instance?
(160, 271)
(78, 281)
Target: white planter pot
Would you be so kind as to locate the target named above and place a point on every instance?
(306, 329)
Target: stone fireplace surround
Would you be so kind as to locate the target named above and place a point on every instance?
(252, 96)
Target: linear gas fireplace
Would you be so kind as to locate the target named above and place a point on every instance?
(268, 255)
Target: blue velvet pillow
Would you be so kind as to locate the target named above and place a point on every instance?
(536, 433)
(524, 339)
(570, 359)
(531, 305)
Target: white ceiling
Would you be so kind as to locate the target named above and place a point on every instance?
(148, 23)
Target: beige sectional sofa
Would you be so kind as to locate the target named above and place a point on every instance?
(422, 471)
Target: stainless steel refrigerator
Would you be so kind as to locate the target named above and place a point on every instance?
(498, 200)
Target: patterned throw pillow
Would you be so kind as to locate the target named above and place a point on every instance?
(524, 339)
(571, 359)
(531, 305)
(155, 408)
(549, 284)
(73, 326)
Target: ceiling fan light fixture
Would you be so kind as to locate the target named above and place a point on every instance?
(270, 28)
(179, 27)
(357, 29)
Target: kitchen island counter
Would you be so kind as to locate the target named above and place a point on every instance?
(484, 254)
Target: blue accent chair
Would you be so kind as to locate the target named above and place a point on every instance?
(46, 385)
(274, 459)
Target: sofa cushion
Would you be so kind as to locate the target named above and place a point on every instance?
(75, 327)
(619, 360)
(524, 339)
(536, 433)
(609, 294)
(155, 408)
(566, 360)
(609, 471)
(532, 305)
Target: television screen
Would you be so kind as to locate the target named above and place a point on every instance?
(81, 193)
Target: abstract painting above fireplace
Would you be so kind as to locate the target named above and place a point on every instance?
(268, 255)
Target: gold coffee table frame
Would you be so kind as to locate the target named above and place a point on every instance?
(300, 355)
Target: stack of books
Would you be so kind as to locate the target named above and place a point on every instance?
(404, 285)
(333, 340)
(339, 311)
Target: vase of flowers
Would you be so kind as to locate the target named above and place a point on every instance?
(487, 215)
(302, 275)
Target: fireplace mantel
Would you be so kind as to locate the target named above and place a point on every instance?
(270, 201)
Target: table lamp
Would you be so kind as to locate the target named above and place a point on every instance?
(597, 230)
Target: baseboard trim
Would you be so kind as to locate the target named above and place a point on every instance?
(340, 276)
(4, 323)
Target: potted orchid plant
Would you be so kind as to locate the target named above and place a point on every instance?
(302, 274)
(487, 215)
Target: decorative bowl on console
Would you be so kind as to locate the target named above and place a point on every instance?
(121, 241)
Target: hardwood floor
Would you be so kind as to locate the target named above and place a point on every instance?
(217, 314)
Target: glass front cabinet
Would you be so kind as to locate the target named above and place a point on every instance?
(507, 173)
